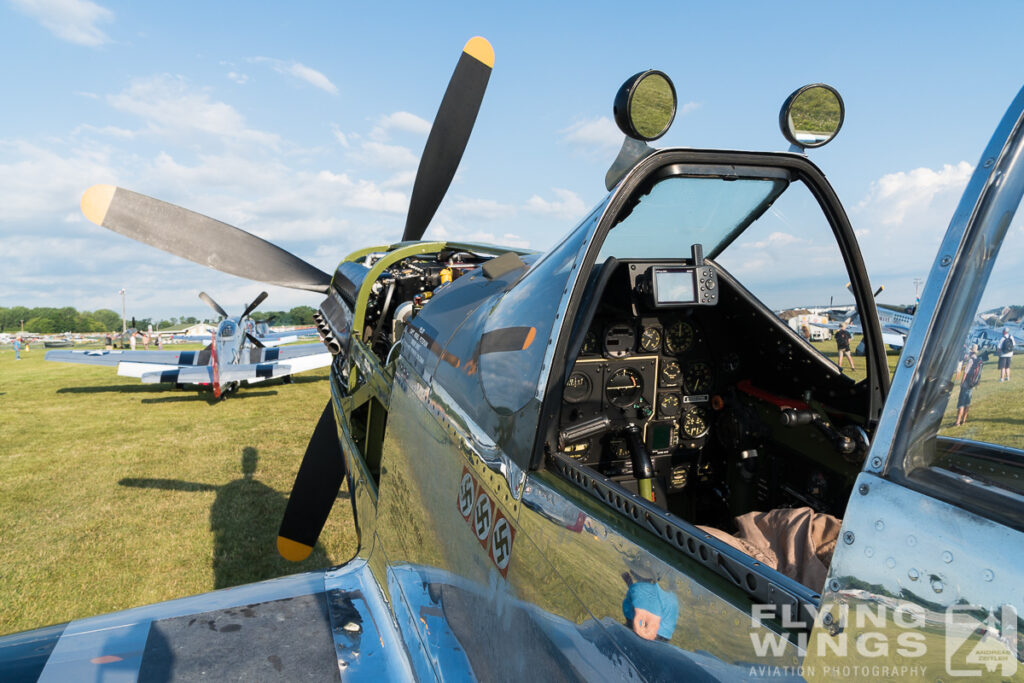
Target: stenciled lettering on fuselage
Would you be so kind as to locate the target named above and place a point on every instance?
(486, 521)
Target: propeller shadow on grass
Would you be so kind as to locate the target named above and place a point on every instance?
(244, 518)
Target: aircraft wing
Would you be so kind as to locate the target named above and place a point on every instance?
(113, 358)
(291, 628)
(852, 328)
(291, 353)
(278, 338)
(894, 339)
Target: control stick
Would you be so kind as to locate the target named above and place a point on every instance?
(643, 467)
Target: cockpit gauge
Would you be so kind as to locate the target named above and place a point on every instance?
(619, 340)
(678, 337)
(731, 362)
(577, 388)
(650, 340)
(590, 344)
(577, 451)
(694, 424)
(670, 373)
(619, 449)
(698, 378)
(624, 387)
(669, 405)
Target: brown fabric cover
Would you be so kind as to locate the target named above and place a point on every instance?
(798, 542)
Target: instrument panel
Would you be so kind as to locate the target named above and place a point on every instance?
(655, 372)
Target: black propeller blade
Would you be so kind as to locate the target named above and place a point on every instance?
(449, 135)
(213, 304)
(255, 302)
(198, 238)
(316, 486)
(254, 341)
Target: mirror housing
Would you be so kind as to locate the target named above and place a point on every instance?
(645, 105)
(812, 115)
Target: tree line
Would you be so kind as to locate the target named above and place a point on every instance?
(46, 320)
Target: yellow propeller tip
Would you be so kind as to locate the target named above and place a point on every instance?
(479, 49)
(96, 201)
(293, 551)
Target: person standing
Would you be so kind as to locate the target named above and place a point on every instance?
(17, 348)
(972, 375)
(843, 344)
(131, 341)
(1005, 355)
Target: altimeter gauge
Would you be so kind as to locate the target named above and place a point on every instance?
(678, 337)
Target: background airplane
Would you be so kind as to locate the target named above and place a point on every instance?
(234, 355)
(895, 322)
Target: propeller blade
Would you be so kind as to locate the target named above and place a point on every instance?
(313, 493)
(255, 302)
(213, 304)
(198, 238)
(449, 135)
(254, 341)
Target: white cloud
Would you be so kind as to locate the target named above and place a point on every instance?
(896, 195)
(599, 135)
(339, 136)
(403, 179)
(507, 239)
(237, 77)
(312, 76)
(386, 156)
(71, 20)
(689, 107)
(401, 121)
(170, 106)
(38, 183)
(775, 240)
(483, 209)
(300, 71)
(568, 205)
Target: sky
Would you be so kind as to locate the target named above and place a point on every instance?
(303, 123)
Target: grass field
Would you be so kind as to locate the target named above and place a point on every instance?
(115, 494)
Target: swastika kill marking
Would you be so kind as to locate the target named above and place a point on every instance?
(483, 518)
(502, 537)
(467, 494)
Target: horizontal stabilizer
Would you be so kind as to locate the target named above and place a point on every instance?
(253, 372)
(130, 369)
(115, 357)
(185, 374)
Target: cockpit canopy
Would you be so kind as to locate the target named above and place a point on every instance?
(227, 329)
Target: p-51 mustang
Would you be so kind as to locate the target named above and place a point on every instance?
(234, 355)
(612, 461)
